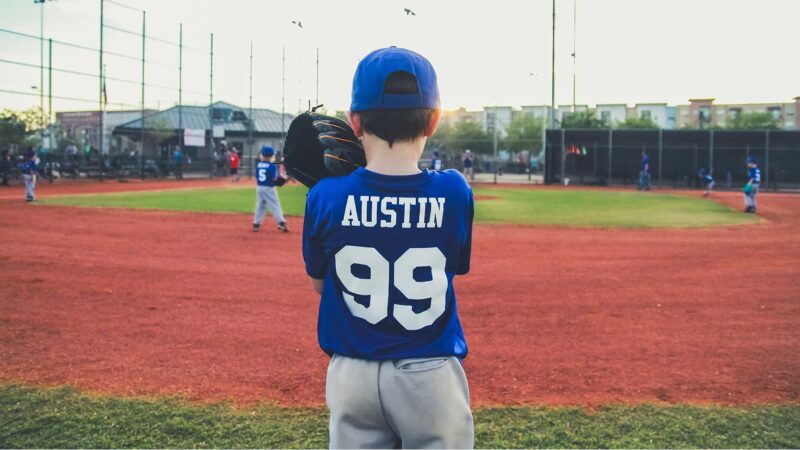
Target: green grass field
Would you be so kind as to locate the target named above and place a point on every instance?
(515, 206)
(66, 418)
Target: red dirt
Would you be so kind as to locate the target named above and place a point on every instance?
(139, 302)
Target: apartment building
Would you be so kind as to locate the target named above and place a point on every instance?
(704, 113)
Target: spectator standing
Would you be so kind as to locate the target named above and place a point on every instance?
(436, 161)
(177, 162)
(468, 161)
(5, 166)
(234, 162)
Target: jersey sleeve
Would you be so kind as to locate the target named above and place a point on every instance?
(465, 252)
(272, 172)
(313, 253)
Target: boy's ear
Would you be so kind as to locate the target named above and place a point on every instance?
(355, 123)
(434, 122)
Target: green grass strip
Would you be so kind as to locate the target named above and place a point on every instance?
(577, 208)
(217, 200)
(582, 208)
(64, 417)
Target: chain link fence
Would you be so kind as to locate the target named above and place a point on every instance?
(676, 157)
(506, 165)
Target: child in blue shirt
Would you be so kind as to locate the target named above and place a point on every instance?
(753, 182)
(382, 246)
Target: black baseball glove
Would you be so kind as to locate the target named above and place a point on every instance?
(318, 146)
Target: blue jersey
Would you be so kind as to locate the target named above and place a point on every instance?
(266, 173)
(387, 248)
(29, 168)
(645, 163)
(754, 173)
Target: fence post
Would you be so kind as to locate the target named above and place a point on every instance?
(563, 155)
(660, 149)
(711, 151)
(766, 162)
(610, 142)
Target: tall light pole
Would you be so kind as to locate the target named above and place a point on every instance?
(553, 74)
(283, 93)
(574, 40)
(41, 68)
(102, 84)
(299, 25)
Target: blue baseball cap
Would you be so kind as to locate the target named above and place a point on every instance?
(752, 160)
(267, 151)
(375, 68)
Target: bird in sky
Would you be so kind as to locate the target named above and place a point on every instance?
(298, 23)
(409, 12)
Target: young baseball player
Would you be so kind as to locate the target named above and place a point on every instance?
(267, 173)
(644, 173)
(382, 246)
(708, 180)
(753, 182)
(29, 173)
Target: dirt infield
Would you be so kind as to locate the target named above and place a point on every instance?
(139, 302)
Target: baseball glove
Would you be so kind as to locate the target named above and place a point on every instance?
(748, 189)
(318, 146)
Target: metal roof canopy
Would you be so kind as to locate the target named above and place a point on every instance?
(265, 121)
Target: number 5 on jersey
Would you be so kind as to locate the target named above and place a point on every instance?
(376, 287)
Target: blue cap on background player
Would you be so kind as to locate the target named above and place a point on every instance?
(267, 151)
(376, 67)
(752, 160)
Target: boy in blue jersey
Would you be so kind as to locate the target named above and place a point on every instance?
(382, 246)
(267, 173)
(753, 182)
(708, 180)
(29, 174)
(644, 174)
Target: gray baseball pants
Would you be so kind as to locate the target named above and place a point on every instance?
(750, 199)
(406, 403)
(30, 186)
(267, 198)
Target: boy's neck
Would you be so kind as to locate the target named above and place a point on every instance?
(402, 158)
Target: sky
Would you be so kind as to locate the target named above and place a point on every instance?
(485, 53)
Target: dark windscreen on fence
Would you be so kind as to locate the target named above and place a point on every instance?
(674, 157)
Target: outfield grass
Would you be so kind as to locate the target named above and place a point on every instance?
(603, 209)
(65, 418)
(517, 206)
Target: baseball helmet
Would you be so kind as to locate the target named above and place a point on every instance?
(752, 160)
(267, 151)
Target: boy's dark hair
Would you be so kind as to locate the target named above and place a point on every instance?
(394, 125)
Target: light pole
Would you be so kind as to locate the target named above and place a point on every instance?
(574, 40)
(299, 25)
(41, 66)
(553, 74)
